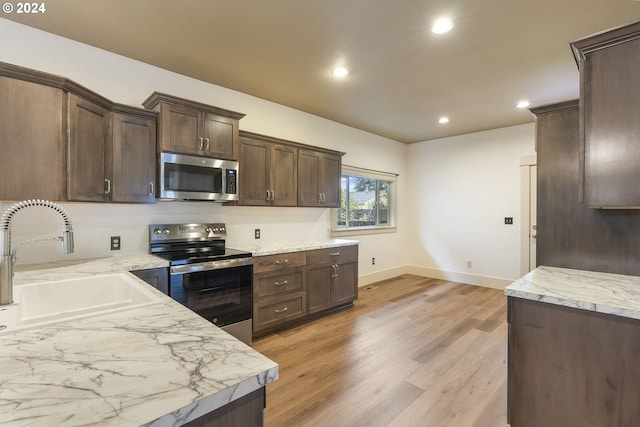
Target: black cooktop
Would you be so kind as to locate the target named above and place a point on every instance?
(200, 255)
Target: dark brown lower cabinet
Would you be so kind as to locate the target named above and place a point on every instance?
(571, 367)
(248, 411)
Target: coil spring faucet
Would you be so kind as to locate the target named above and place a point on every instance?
(8, 256)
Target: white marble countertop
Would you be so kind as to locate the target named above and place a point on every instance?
(304, 245)
(607, 293)
(159, 365)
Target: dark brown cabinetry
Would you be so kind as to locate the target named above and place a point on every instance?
(319, 178)
(133, 156)
(571, 367)
(332, 277)
(88, 147)
(156, 277)
(190, 127)
(609, 129)
(111, 152)
(84, 147)
(278, 290)
(298, 286)
(269, 171)
(32, 138)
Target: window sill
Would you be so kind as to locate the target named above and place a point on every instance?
(359, 231)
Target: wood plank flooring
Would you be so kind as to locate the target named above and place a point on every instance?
(413, 351)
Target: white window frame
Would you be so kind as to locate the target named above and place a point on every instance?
(392, 179)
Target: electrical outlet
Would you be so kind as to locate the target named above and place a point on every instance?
(256, 233)
(373, 261)
(469, 264)
(508, 220)
(115, 243)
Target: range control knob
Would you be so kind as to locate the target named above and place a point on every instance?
(157, 231)
(165, 231)
(222, 230)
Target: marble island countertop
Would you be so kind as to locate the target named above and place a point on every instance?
(304, 245)
(607, 293)
(159, 365)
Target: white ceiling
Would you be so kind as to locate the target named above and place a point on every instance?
(403, 77)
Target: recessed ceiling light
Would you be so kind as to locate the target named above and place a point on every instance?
(339, 72)
(442, 25)
(443, 120)
(523, 104)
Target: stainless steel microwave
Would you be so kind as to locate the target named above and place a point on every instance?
(186, 177)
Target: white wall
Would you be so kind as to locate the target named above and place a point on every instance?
(461, 190)
(130, 82)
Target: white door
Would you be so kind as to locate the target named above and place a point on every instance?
(528, 210)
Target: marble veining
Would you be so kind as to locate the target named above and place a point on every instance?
(304, 245)
(160, 365)
(607, 293)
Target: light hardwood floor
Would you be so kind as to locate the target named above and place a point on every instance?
(412, 352)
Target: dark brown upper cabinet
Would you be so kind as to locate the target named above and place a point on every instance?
(112, 150)
(609, 127)
(268, 171)
(319, 178)
(32, 137)
(190, 127)
(61, 141)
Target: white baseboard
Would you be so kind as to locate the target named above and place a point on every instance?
(470, 279)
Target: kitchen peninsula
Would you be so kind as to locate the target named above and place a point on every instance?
(574, 349)
(158, 365)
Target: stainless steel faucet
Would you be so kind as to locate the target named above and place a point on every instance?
(8, 256)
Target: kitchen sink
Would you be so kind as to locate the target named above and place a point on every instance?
(39, 304)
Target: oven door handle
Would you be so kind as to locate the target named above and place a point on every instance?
(211, 265)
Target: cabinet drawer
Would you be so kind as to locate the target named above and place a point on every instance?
(275, 311)
(277, 262)
(290, 281)
(330, 255)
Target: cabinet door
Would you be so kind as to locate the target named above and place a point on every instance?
(283, 167)
(330, 171)
(318, 179)
(181, 130)
(308, 178)
(88, 136)
(319, 287)
(134, 153)
(345, 283)
(254, 177)
(32, 157)
(220, 137)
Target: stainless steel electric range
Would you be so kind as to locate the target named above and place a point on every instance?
(214, 281)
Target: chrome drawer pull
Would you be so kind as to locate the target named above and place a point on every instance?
(278, 262)
(281, 310)
(334, 253)
(284, 282)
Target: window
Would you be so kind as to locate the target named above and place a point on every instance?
(366, 201)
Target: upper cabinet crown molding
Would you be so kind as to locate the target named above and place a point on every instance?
(604, 39)
(55, 81)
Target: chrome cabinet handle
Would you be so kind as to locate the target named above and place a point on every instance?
(285, 261)
(201, 139)
(151, 192)
(334, 253)
(281, 310)
(284, 282)
(108, 185)
(206, 140)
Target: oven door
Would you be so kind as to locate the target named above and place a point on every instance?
(197, 178)
(219, 291)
